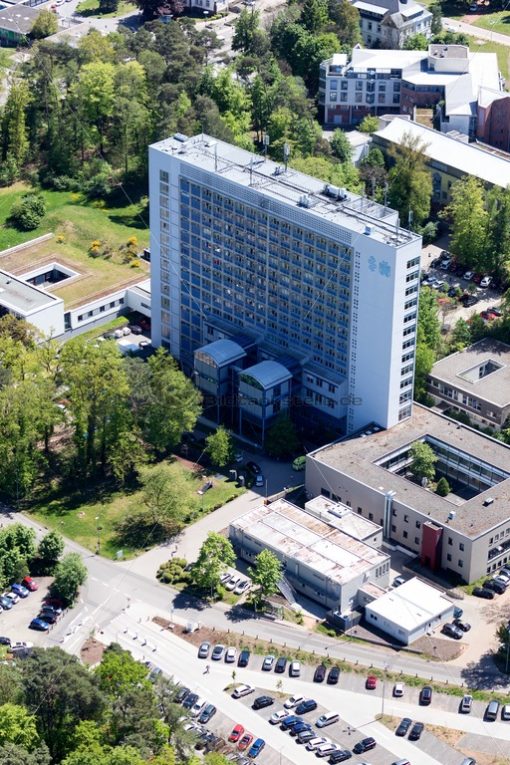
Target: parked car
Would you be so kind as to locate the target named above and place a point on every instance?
(333, 675)
(328, 718)
(256, 748)
(243, 586)
(48, 616)
(445, 264)
(295, 669)
(425, 695)
(398, 690)
(198, 707)
(230, 655)
(403, 726)
(464, 626)
(453, 291)
(487, 316)
(281, 664)
(483, 592)
(496, 311)
(190, 700)
(501, 579)
(262, 701)
(319, 674)
(203, 651)
(29, 583)
(452, 631)
(340, 756)
(305, 736)
(288, 722)
(181, 695)
(135, 329)
(466, 704)
(468, 275)
(253, 467)
(324, 750)
(267, 664)
(278, 716)
(217, 652)
(6, 602)
(439, 284)
(23, 592)
(12, 596)
(398, 581)
(416, 731)
(505, 712)
(245, 742)
(491, 584)
(365, 745)
(293, 701)
(39, 624)
(233, 582)
(5, 640)
(485, 281)
(244, 658)
(371, 683)
(306, 706)
(468, 300)
(236, 733)
(299, 727)
(315, 742)
(242, 690)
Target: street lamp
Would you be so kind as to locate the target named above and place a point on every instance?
(386, 666)
(98, 529)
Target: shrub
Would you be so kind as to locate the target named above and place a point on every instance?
(27, 214)
(443, 487)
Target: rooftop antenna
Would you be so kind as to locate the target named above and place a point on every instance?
(265, 141)
(251, 170)
(215, 157)
(286, 154)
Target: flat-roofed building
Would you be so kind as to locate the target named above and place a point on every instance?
(409, 611)
(319, 560)
(26, 301)
(341, 517)
(475, 381)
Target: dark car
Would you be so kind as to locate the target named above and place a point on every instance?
(190, 700)
(416, 731)
(340, 756)
(306, 706)
(280, 664)
(48, 616)
(6, 602)
(181, 695)
(207, 712)
(333, 675)
(403, 726)
(464, 626)
(483, 592)
(5, 641)
(300, 727)
(135, 329)
(319, 674)
(305, 736)
(468, 300)
(365, 745)
(452, 631)
(244, 658)
(253, 467)
(425, 695)
(491, 584)
(289, 722)
(39, 624)
(262, 701)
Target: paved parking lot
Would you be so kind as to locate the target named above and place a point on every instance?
(14, 623)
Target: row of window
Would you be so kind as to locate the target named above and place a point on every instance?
(101, 309)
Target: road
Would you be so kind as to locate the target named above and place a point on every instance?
(452, 25)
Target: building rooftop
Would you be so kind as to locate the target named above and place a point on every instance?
(470, 370)
(21, 297)
(297, 534)
(411, 604)
(342, 214)
(444, 150)
(341, 517)
(268, 373)
(357, 457)
(19, 18)
(223, 351)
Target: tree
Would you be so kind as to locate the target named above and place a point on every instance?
(314, 15)
(410, 182)
(14, 127)
(245, 30)
(428, 319)
(118, 671)
(15, 754)
(416, 42)
(341, 146)
(443, 487)
(346, 19)
(503, 635)
(369, 124)
(437, 18)
(46, 24)
(50, 549)
(460, 337)
(108, 6)
(267, 574)
(17, 726)
(94, 94)
(70, 574)
(469, 219)
(215, 555)
(220, 447)
(27, 214)
(423, 461)
(282, 439)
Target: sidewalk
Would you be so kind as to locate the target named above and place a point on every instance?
(452, 25)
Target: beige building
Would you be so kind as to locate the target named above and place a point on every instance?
(466, 533)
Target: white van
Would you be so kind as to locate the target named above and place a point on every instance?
(327, 719)
(295, 669)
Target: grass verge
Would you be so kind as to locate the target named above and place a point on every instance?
(91, 8)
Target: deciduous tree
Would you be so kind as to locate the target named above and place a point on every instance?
(340, 146)
(215, 555)
(410, 189)
(46, 24)
(70, 574)
(423, 461)
(266, 574)
(17, 726)
(469, 219)
(50, 549)
(220, 447)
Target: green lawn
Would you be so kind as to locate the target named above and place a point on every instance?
(496, 22)
(78, 519)
(78, 224)
(91, 8)
(502, 52)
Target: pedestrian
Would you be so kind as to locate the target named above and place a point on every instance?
(207, 668)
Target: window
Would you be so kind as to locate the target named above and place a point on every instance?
(393, 528)
(450, 541)
(360, 509)
(406, 519)
(418, 524)
(448, 557)
(370, 516)
(405, 535)
(461, 563)
(461, 546)
(416, 540)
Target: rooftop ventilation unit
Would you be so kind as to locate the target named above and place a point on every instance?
(368, 230)
(180, 137)
(488, 501)
(305, 201)
(451, 515)
(336, 192)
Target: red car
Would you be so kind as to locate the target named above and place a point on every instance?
(245, 742)
(487, 315)
(236, 734)
(29, 583)
(371, 683)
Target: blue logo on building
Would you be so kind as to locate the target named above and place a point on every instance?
(372, 263)
(384, 268)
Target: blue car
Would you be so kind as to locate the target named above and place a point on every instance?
(5, 602)
(39, 624)
(20, 590)
(256, 747)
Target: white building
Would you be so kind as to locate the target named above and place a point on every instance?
(342, 518)
(388, 23)
(447, 78)
(26, 301)
(320, 561)
(409, 611)
(293, 270)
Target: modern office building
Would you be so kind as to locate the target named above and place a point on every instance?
(320, 561)
(448, 79)
(475, 381)
(466, 533)
(388, 23)
(314, 287)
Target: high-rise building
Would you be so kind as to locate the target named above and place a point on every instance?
(278, 291)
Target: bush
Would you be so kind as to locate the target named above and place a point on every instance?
(173, 571)
(27, 214)
(46, 24)
(443, 487)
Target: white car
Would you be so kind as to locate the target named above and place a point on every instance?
(226, 577)
(12, 596)
(232, 584)
(230, 655)
(197, 707)
(315, 742)
(293, 701)
(486, 281)
(324, 750)
(277, 717)
(242, 690)
(118, 333)
(398, 690)
(243, 586)
(468, 275)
